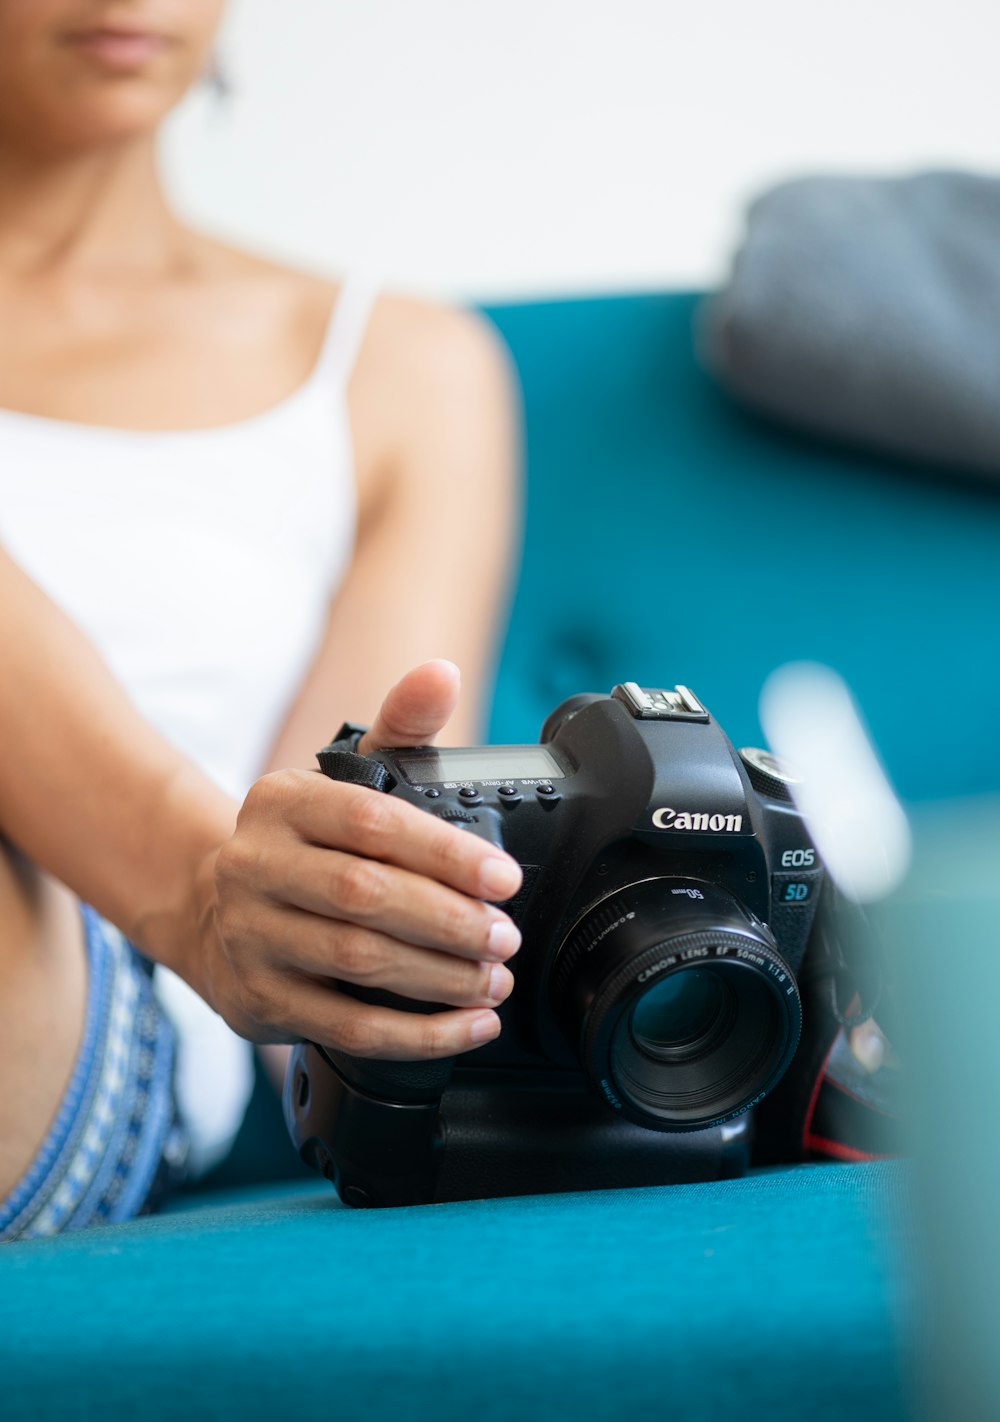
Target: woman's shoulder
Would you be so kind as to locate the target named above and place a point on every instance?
(419, 364)
(428, 372)
(430, 360)
(431, 341)
(406, 334)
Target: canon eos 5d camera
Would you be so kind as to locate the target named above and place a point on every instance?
(669, 890)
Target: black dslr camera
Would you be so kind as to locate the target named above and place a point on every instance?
(669, 891)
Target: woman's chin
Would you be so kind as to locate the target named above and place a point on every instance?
(75, 122)
(102, 89)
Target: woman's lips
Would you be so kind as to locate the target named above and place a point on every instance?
(119, 49)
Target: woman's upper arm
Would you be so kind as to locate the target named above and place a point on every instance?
(436, 425)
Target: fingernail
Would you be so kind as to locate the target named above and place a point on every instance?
(485, 1027)
(499, 983)
(503, 939)
(499, 878)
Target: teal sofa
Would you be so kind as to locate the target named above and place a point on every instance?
(669, 537)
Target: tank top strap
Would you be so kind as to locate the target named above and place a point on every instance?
(346, 328)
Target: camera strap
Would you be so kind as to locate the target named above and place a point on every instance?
(843, 962)
(828, 1104)
(340, 760)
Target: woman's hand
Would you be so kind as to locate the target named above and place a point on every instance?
(325, 882)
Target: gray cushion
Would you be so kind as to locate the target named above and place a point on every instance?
(869, 309)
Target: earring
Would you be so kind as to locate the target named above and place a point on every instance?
(215, 76)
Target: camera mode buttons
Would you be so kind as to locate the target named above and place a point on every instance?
(547, 793)
(768, 775)
(469, 795)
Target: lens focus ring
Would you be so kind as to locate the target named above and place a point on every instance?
(682, 1009)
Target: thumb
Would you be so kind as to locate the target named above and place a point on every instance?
(416, 708)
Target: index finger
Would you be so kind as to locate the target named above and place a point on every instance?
(379, 826)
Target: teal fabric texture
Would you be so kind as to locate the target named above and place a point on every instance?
(770, 1298)
(668, 537)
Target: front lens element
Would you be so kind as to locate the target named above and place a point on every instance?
(717, 1060)
(683, 1016)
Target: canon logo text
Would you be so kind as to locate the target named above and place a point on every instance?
(668, 819)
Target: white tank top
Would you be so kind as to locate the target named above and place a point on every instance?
(201, 564)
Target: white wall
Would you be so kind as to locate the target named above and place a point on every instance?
(485, 149)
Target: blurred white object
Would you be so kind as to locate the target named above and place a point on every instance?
(214, 1075)
(811, 722)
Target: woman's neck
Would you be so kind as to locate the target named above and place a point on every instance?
(86, 215)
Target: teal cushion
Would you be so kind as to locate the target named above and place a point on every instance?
(777, 1297)
(670, 537)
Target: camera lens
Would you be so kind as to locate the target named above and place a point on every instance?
(683, 1016)
(678, 1002)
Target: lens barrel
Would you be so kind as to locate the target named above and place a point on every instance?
(678, 1002)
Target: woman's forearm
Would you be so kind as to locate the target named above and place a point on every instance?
(91, 793)
(263, 912)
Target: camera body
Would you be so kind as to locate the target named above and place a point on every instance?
(669, 890)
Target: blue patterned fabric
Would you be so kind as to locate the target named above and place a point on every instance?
(116, 1137)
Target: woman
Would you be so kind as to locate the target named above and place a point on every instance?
(236, 503)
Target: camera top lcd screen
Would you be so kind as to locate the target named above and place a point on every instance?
(428, 767)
